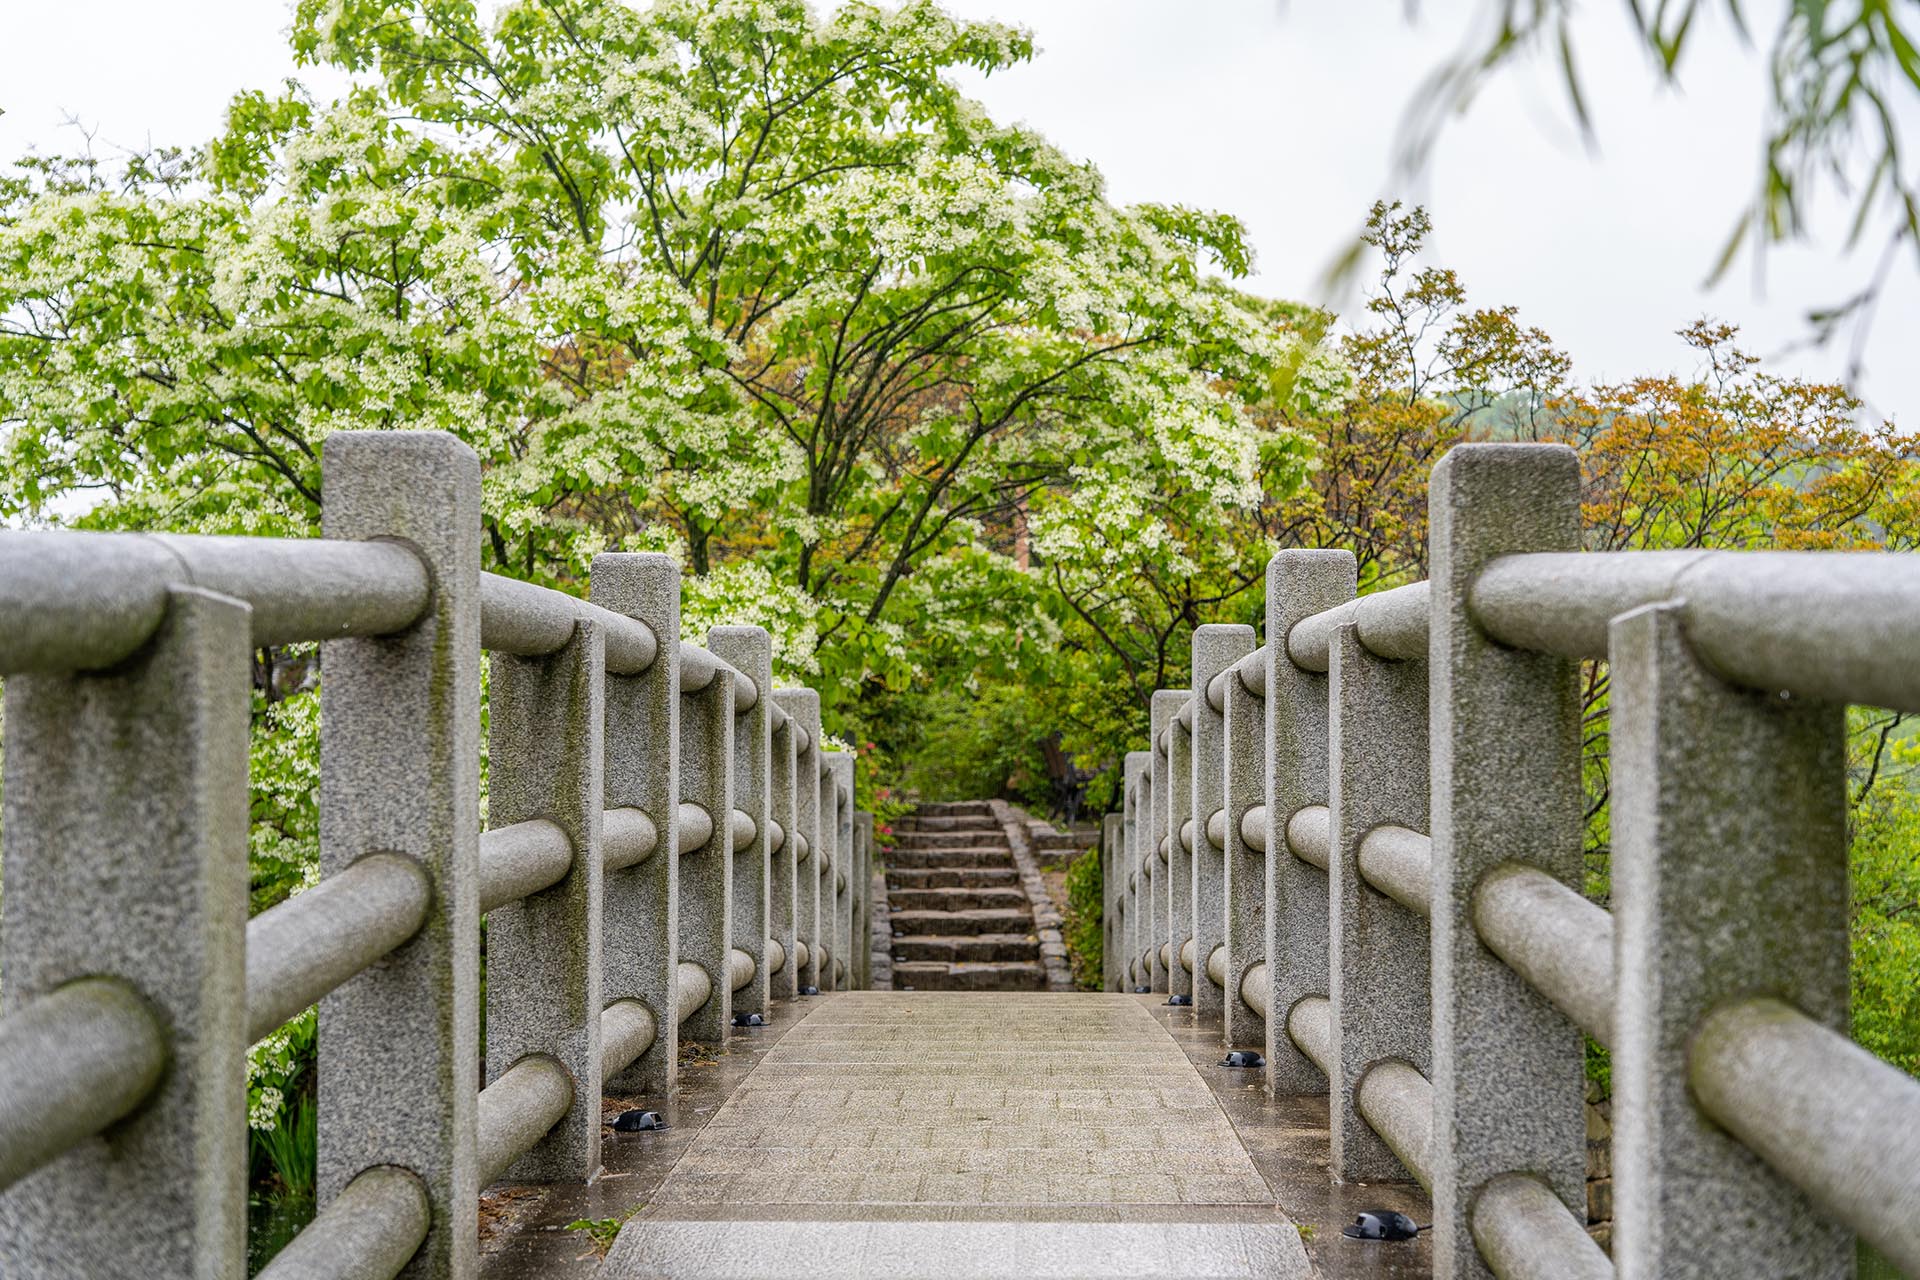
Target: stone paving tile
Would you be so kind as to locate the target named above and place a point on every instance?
(943, 1135)
(946, 1250)
(949, 1098)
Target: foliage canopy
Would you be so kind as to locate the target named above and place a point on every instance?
(731, 279)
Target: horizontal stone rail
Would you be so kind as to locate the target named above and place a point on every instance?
(1371, 826)
(72, 1062)
(310, 944)
(372, 1228)
(670, 844)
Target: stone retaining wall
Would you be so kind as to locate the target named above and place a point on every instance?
(1047, 919)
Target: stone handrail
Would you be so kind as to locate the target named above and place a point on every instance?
(135, 981)
(1383, 819)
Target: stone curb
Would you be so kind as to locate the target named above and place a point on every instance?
(1047, 919)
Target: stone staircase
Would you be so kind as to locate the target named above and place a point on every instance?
(961, 920)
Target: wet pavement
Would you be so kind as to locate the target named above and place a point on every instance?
(948, 1134)
(1287, 1138)
(524, 1231)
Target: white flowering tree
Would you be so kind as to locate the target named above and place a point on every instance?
(722, 276)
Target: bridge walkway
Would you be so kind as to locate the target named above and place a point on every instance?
(911, 1134)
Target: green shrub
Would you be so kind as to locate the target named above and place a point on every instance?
(280, 1107)
(979, 746)
(1886, 924)
(1086, 906)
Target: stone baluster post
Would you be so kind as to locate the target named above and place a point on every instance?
(640, 929)
(790, 747)
(828, 868)
(823, 865)
(850, 886)
(1380, 992)
(1298, 931)
(1244, 723)
(1508, 1067)
(863, 885)
(750, 651)
(1177, 893)
(399, 1065)
(545, 721)
(839, 881)
(1152, 824)
(1136, 770)
(1730, 880)
(1149, 864)
(1163, 840)
(126, 859)
(1215, 648)
(706, 871)
(804, 706)
(783, 894)
(1113, 861)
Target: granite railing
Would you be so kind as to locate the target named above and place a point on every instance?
(668, 847)
(1361, 845)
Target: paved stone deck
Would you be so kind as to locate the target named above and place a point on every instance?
(912, 1134)
(950, 1134)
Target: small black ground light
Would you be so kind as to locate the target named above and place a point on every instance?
(1243, 1058)
(637, 1121)
(1179, 1000)
(748, 1020)
(1143, 991)
(809, 991)
(1382, 1225)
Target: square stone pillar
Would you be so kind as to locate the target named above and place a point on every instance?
(782, 891)
(863, 902)
(750, 651)
(1380, 989)
(1113, 858)
(1298, 931)
(1509, 1075)
(399, 773)
(126, 858)
(1177, 869)
(787, 866)
(824, 864)
(827, 870)
(838, 883)
(706, 870)
(1161, 839)
(1215, 648)
(1730, 880)
(804, 706)
(1245, 864)
(1137, 774)
(545, 722)
(1151, 868)
(640, 925)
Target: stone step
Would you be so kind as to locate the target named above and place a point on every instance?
(918, 822)
(952, 922)
(955, 809)
(974, 947)
(928, 858)
(951, 839)
(996, 853)
(951, 877)
(995, 975)
(1013, 899)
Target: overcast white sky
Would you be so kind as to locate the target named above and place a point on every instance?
(1282, 113)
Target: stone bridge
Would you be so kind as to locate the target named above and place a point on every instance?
(1349, 963)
